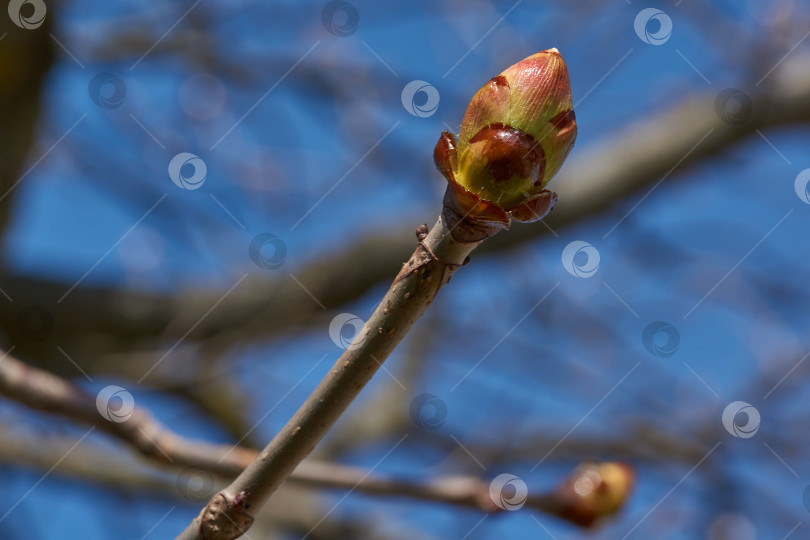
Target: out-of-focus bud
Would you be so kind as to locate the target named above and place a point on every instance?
(516, 133)
(594, 491)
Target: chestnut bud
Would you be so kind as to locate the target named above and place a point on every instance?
(595, 491)
(516, 133)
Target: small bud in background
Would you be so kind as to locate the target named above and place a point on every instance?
(594, 491)
(516, 133)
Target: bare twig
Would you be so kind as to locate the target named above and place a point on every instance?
(43, 391)
(46, 392)
(229, 513)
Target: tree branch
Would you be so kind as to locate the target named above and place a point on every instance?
(228, 514)
(46, 392)
(43, 391)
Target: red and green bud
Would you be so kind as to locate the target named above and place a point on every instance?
(595, 491)
(516, 133)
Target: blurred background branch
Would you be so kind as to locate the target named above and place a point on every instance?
(137, 428)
